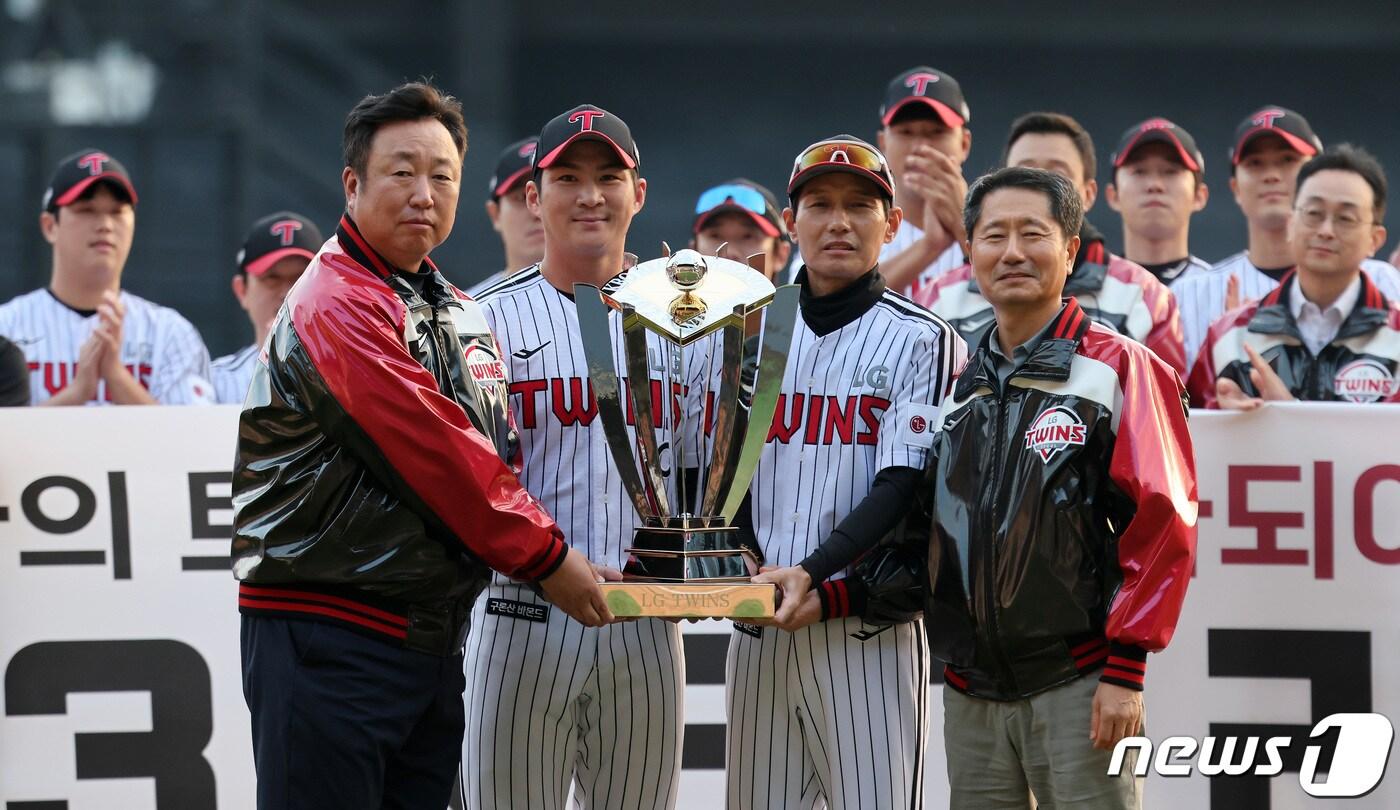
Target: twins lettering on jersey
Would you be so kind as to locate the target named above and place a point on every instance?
(571, 401)
(1053, 430)
(816, 419)
(486, 368)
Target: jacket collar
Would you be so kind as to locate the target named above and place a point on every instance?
(1275, 313)
(825, 314)
(1049, 360)
(436, 291)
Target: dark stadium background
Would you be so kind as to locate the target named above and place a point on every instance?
(251, 97)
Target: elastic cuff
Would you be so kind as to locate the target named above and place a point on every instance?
(549, 561)
(1126, 666)
(841, 598)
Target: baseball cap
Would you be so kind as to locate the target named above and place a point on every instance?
(75, 173)
(926, 86)
(585, 122)
(841, 153)
(512, 166)
(1280, 121)
(275, 237)
(741, 196)
(1160, 130)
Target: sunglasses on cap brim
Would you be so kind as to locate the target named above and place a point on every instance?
(843, 153)
(743, 196)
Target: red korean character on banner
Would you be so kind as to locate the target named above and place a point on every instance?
(1267, 524)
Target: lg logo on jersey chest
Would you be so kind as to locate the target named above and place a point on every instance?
(1053, 430)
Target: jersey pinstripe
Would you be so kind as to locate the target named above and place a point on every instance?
(232, 374)
(835, 714)
(161, 349)
(1200, 294)
(548, 700)
(477, 289)
(951, 258)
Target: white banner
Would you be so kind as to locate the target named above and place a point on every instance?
(119, 626)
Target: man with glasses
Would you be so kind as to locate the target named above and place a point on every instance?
(742, 217)
(1270, 146)
(1325, 332)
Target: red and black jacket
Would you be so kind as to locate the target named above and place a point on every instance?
(1361, 364)
(1061, 517)
(373, 484)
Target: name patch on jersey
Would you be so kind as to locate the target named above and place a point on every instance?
(918, 425)
(1053, 430)
(486, 368)
(1364, 380)
(528, 611)
(748, 629)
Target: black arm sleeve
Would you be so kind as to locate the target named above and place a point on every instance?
(889, 500)
(14, 375)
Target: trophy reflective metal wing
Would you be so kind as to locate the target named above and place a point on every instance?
(686, 558)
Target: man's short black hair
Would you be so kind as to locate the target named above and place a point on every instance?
(407, 102)
(1066, 207)
(1058, 124)
(1347, 158)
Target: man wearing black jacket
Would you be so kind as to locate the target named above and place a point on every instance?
(14, 375)
(373, 487)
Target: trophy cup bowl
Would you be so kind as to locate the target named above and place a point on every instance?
(686, 558)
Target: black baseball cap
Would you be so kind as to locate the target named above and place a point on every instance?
(585, 122)
(928, 87)
(275, 237)
(512, 166)
(75, 173)
(1274, 120)
(741, 196)
(1160, 130)
(841, 153)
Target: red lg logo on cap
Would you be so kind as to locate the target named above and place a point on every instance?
(283, 229)
(587, 117)
(529, 148)
(1266, 118)
(93, 162)
(1155, 123)
(920, 82)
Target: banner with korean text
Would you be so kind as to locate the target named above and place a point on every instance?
(119, 628)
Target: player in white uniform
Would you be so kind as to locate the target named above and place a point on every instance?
(274, 255)
(522, 235)
(1270, 146)
(924, 135)
(549, 701)
(85, 340)
(823, 710)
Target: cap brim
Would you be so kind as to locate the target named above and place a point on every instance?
(77, 189)
(825, 168)
(768, 228)
(264, 263)
(548, 160)
(1299, 145)
(946, 114)
(1157, 136)
(508, 183)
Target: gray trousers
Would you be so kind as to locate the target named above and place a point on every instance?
(1002, 752)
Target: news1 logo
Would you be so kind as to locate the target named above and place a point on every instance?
(1358, 762)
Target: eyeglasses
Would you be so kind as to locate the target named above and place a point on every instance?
(743, 196)
(1342, 222)
(852, 154)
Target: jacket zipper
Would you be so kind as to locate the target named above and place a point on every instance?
(990, 550)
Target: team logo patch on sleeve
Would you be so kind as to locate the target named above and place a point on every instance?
(1053, 430)
(1364, 380)
(486, 368)
(919, 423)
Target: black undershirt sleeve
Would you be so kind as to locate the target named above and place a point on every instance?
(889, 499)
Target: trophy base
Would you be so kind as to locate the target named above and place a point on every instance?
(690, 600)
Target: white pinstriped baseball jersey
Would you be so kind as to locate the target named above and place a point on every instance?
(232, 373)
(1200, 294)
(835, 714)
(161, 349)
(485, 284)
(909, 233)
(547, 699)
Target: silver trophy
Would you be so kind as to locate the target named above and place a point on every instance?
(686, 558)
